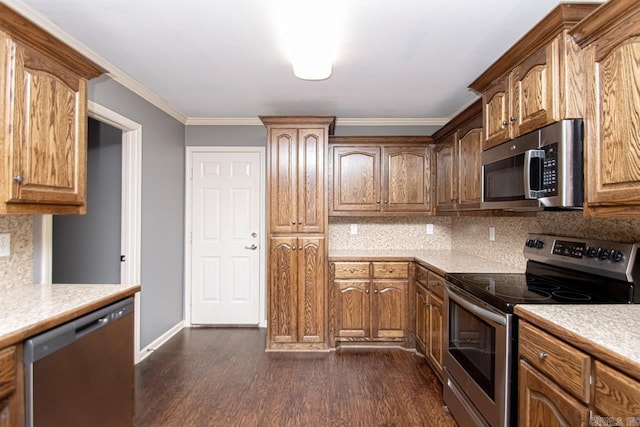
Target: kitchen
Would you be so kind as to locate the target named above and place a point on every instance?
(466, 234)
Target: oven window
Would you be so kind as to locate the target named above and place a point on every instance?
(504, 180)
(472, 342)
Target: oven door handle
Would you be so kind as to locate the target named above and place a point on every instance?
(478, 311)
(529, 155)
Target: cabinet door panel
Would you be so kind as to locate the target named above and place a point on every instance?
(352, 308)
(389, 308)
(616, 394)
(436, 332)
(283, 290)
(49, 136)
(470, 169)
(496, 113)
(406, 179)
(311, 200)
(446, 193)
(422, 319)
(356, 179)
(282, 183)
(613, 131)
(542, 403)
(311, 292)
(534, 91)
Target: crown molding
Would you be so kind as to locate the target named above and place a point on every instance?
(251, 121)
(112, 71)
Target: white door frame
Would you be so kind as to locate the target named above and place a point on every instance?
(189, 226)
(130, 228)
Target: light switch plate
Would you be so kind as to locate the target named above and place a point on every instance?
(429, 228)
(354, 228)
(5, 244)
(492, 234)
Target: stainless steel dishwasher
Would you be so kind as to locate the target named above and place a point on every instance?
(82, 373)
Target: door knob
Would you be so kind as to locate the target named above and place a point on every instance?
(253, 247)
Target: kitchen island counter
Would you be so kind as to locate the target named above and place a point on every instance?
(31, 309)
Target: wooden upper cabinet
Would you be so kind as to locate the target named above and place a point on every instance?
(355, 179)
(537, 81)
(297, 179)
(459, 161)
(611, 42)
(43, 110)
(406, 179)
(380, 176)
(446, 190)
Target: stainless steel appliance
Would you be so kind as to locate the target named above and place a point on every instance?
(480, 358)
(542, 169)
(81, 373)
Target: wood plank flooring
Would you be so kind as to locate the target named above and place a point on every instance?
(223, 377)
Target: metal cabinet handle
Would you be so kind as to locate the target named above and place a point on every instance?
(366, 291)
(293, 248)
(386, 202)
(300, 222)
(352, 270)
(375, 291)
(293, 222)
(505, 123)
(513, 119)
(391, 270)
(253, 247)
(542, 355)
(17, 178)
(378, 201)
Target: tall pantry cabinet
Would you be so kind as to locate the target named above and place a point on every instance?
(297, 231)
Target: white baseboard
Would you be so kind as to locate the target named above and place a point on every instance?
(159, 341)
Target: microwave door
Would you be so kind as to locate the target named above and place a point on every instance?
(533, 166)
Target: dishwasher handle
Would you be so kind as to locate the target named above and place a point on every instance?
(42, 345)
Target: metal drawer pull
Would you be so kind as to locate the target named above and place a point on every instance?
(542, 355)
(17, 178)
(391, 270)
(352, 270)
(293, 222)
(293, 247)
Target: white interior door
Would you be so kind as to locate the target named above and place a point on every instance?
(225, 238)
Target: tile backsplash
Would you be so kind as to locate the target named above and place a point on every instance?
(471, 234)
(16, 269)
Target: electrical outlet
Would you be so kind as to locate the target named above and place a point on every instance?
(429, 228)
(492, 234)
(354, 228)
(5, 244)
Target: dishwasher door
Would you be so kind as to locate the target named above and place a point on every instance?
(82, 373)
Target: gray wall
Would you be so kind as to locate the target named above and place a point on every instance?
(239, 136)
(162, 206)
(86, 248)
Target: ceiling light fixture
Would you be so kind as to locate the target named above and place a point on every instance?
(311, 31)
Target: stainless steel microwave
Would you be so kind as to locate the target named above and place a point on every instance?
(541, 169)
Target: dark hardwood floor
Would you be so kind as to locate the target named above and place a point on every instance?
(223, 377)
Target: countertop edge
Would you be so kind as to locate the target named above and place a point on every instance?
(630, 367)
(20, 335)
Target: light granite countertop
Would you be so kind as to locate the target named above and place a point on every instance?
(442, 260)
(31, 309)
(610, 332)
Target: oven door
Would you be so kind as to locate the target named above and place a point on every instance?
(512, 175)
(476, 360)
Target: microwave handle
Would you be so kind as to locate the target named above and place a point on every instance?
(528, 156)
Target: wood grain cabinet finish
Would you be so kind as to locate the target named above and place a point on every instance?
(430, 317)
(372, 308)
(422, 319)
(561, 385)
(459, 162)
(539, 80)
(436, 333)
(11, 387)
(373, 176)
(297, 296)
(297, 227)
(43, 110)
(611, 42)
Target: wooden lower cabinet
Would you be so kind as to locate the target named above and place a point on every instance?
(422, 319)
(11, 387)
(296, 293)
(369, 302)
(543, 403)
(436, 333)
(430, 317)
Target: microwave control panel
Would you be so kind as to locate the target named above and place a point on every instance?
(550, 170)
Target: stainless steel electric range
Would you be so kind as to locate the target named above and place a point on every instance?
(481, 333)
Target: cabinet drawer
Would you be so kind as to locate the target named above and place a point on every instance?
(422, 275)
(615, 395)
(436, 284)
(568, 366)
(7, 371)
(390, 270)
(352, 270)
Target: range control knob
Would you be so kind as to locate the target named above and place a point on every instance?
(539, 244)
(605, 254)
(617, 256)
(590, 252)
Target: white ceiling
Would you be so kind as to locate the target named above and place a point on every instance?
(224, 59)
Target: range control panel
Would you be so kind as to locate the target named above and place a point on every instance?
(607, 258)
